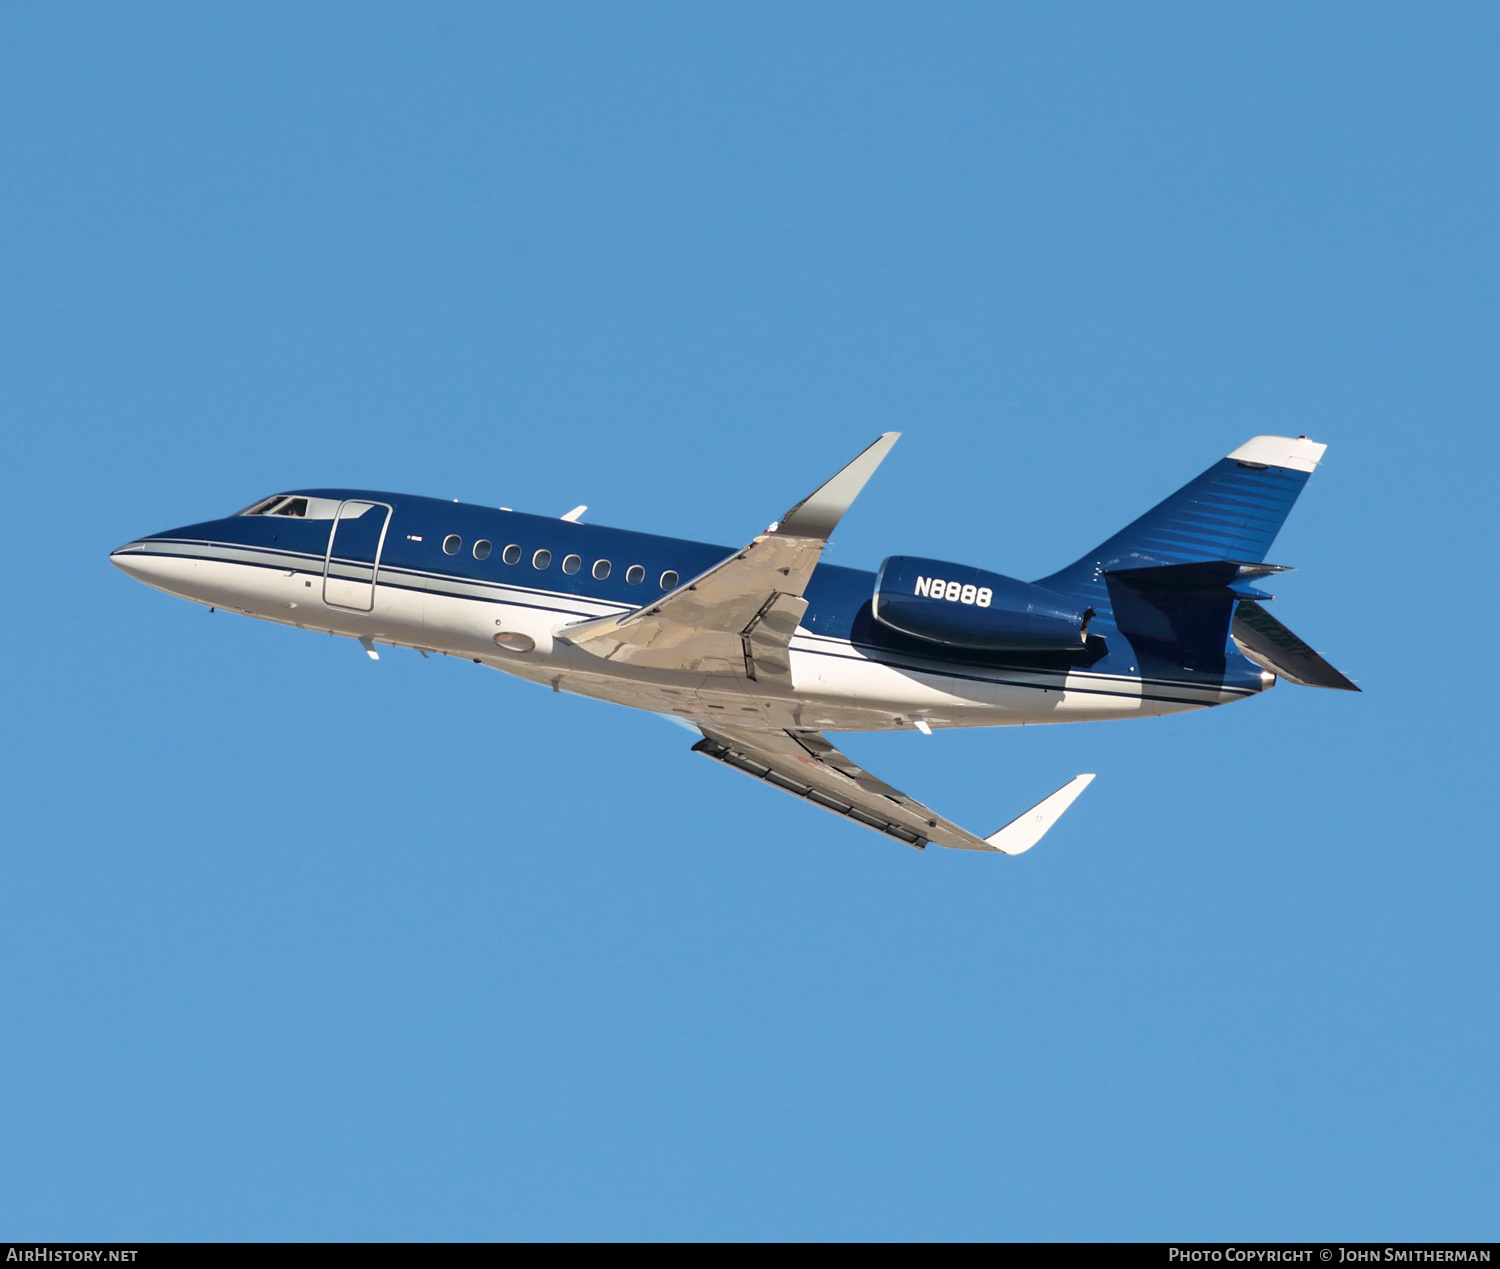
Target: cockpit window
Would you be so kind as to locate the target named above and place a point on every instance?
(304, 508)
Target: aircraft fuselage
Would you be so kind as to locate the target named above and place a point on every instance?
(453, 578)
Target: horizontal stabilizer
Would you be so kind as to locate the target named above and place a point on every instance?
(1211, 579)
(1025, 831)
(1268, 643)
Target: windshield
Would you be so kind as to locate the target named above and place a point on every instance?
(294, 506)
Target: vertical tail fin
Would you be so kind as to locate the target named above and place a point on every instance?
(1233, 511)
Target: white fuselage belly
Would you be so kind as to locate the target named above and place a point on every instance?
(837, 687)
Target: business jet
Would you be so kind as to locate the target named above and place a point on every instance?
(766, 649)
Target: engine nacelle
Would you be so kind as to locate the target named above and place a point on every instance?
(969, 608)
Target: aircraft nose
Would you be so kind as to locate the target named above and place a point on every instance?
(129, 559)
(138, 560)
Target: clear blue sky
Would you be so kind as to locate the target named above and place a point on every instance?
(295, 945)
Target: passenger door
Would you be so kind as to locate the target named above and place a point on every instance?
(353, 561)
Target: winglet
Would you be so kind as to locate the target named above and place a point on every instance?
(817, 514)
(1025, 831)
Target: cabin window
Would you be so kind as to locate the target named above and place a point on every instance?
(635, 575)
(572, 564)
(452, 544)
(601, 570)
(511, 554)
(669, 580)
(541, 559)
(482, 550)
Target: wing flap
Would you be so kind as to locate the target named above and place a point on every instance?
(806, 765)
(809, 766)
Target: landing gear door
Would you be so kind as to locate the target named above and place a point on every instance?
(353, 560)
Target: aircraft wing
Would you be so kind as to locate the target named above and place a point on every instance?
(738, 618)
(804, 763)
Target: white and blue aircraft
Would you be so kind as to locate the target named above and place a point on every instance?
(764, 650)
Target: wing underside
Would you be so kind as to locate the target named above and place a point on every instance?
(737, 619)
(807, 765)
